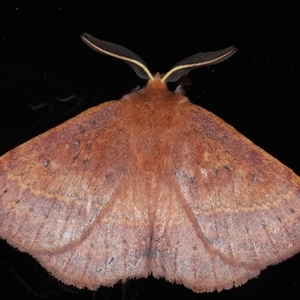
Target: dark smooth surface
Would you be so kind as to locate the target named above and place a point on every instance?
(256, 91)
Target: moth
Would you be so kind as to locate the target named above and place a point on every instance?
(149, 184)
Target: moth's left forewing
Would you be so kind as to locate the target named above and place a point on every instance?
(244, 201)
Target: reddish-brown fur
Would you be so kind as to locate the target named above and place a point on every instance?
(149, 184)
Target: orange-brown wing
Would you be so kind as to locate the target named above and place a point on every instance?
(240, 207)
(58, 201)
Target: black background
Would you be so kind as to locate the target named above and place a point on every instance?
(257, 91)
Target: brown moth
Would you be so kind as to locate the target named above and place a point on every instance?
(149, 184)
